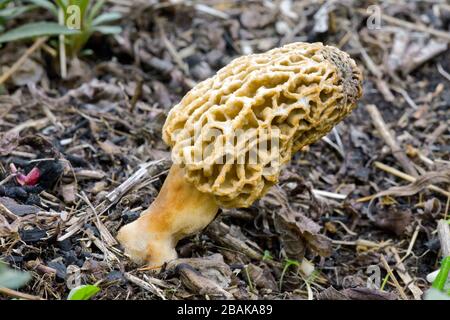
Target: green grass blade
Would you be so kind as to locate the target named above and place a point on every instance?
(10, 13)
(95, 10)
(50, 6)
(441, 279)
(108, 29)
(106, 17)
(62, 4)
(35, 30)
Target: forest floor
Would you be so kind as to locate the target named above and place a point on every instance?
(320, 233)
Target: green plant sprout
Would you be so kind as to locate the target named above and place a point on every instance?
(84, 292)
(80, 19)
(88, 17)
(440, 289)
(441, 281)
(287, 265)
(8, 12)
(250, 283)
(267, 256)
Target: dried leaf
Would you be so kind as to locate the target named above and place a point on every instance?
(411, 189)
(294, 226)
(262, 278)
(18, 209)
(8, 142)
(355, 294)
(394, 220)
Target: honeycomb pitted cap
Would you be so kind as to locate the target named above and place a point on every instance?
(233, 132)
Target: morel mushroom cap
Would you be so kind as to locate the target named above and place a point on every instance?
(285, 99)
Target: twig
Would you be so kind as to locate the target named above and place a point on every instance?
(381, 84)
(334, 146)
(30, 124)
(362, 243)
(62, 47)
(144, 285)
(404, 275)
(17, 294)
(407, 177)
(443, 73)
(136, 178)
(390, 140)
(416, 27)
(444, 237)
(104, 232)
(5, 211)
(394, 279)
(16, 66)
(211, 11)
(409, 25)
(171, 49)
(110, 256)
(330, 195)
(412, 242)
(7, 179)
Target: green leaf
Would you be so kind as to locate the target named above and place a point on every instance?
(107, 29)
(288, 263)
(62, 4)
(4, 3)
(12, 279)
(38, 29)
(95, 10)
(84, 292)
(106, 17)
(267, 255)
(50, 6)
(13, 12)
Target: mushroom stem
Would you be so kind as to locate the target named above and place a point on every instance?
(178, 211)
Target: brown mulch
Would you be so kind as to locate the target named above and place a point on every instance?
(315, 235)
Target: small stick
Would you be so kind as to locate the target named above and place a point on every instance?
(62, 47)
(211, 11)
(362, 242)
(144, 285)
(397, 152)
(402, 23)
(29, 124)
(134, 179)
(444, 237)
(404, 275)
(17, 294)
(394, 279)
(407, 177)
(327, 194)
(412, 26)
(171, 49)
(443, 73)
(104, 232)
(36, 45)
(412, 242)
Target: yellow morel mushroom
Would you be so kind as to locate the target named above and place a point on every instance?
(231, 134)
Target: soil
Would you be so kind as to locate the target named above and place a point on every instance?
(85, 135)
